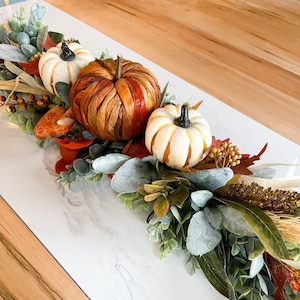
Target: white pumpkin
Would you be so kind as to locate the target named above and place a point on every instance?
(178, 136)
(62, 63)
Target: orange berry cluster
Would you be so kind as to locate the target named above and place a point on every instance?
(31, 103)
(225, 155)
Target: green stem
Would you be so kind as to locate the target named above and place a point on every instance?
(183, 121)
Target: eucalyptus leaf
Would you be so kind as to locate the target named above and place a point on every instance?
(3, 35)
(234, 222)
(266, 284)
(267, 173)
(151, 159)
(213, 216)
(81, 166)
(63, 91)
(262, 225)
(201, 236)
(12, 53)
(176, 213)
(134, 173)
(41, 38)
(37, 13)
(93, 178)
(29, 126)
(109, 163)
(28, 50)
(201, 197)
(256, 265)
(210, 179)
(213, 269)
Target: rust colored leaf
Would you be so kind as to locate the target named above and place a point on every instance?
(136, 148)
(31, 67)
(48, 43)
(247, 161)
(282, 273)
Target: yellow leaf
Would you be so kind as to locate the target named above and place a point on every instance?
(151, 197)
(161, 207)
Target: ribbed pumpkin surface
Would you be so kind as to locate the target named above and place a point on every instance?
(114, 108)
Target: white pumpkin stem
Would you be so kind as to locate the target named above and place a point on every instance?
(66, 53)
(119, 66)
(183, 121)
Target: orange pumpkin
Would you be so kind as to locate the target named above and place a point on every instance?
(114, 98)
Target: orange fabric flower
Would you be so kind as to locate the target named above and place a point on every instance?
(69, 151)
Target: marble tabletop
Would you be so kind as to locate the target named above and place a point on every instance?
(101, 245)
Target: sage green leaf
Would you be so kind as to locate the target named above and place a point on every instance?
(266, 284)
(213, 216)
(29, 126)
(80, 166)
(133, 174)
(110, 163)
(14, 24)
(201, 197)
(234, 222)
(263, 227)
(176, 213)
(256, 265)
(12, 53)
(21, 118)
(210, 179)
(201, 236)
(93, 178)
(63, 91)
(13, 118)
(37, 12)
(213, 268)
(41, 38)
(28, 50)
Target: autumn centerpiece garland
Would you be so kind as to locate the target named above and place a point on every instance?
(110, 117)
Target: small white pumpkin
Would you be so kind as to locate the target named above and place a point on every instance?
(62, 63)
(178, 136)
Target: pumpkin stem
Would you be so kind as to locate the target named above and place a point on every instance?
(66, 53)
(183, 121)
(119, 66)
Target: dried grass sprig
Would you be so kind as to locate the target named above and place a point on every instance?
(288, 226)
